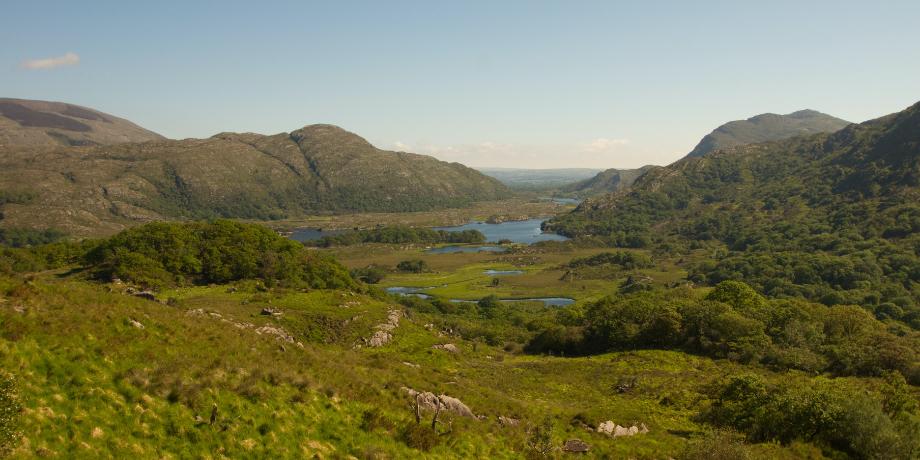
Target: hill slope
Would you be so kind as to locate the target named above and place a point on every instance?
(99, 190)
(40, 123)
(609, 181)
(829, 217)
(767, 127)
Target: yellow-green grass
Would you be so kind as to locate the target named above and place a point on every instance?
(117, 391)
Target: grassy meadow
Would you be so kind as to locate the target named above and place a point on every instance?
(103, 374)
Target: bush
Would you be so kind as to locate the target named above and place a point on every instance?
(418, 436)
(718, 445)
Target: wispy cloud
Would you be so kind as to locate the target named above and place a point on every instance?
(50, 63)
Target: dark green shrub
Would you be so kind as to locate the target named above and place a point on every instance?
(419, 436)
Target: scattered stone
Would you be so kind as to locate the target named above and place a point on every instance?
(644, 429)
(116, 281)
(428, 401)
(620, 431)
(575, 445)
(606, 427)
(267, 312)
(136, 324)
(412, 365)
(345, 323)
(299, 344)
(507, 421)
(198, 418)
(196, 312)
(129, 291)
(632, 430)
(379, 339)
(281, 347)
(447, 347)
(96, 433)
(282, 335)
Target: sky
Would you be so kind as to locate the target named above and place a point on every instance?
(516, 84)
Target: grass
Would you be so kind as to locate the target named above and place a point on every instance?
(94, 385)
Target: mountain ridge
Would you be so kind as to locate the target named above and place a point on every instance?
(99, 190)
(766, 127)
(42, 123)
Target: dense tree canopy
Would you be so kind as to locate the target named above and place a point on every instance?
(222, 251)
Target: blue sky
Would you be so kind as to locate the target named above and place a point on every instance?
(505, 84)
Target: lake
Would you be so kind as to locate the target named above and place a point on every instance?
(521, 231)
(562, 200)
(303, 234)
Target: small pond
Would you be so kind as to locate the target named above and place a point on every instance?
(303, 234)
(502, 272)
(406, 291)
(562, 200)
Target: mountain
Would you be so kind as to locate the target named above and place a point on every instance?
(767, 127)
(40, 123)
(99, 190)
(611, 180)
(831, 217)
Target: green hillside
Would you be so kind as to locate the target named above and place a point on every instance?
(829, 217)
(609, 181)
(767, 127)
(100, 190)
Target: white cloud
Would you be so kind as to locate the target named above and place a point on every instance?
(50, 63)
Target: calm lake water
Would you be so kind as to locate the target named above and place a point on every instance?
(502, 272)
(303, 234)
(562, 200)
(522, 231)
(404, 291)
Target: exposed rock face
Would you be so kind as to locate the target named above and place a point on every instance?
(383, 336)
(507, 421)
(379, 339)
(447, 347)
(609, 427)
(428, 401)
(576, 445)
(282, 335)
